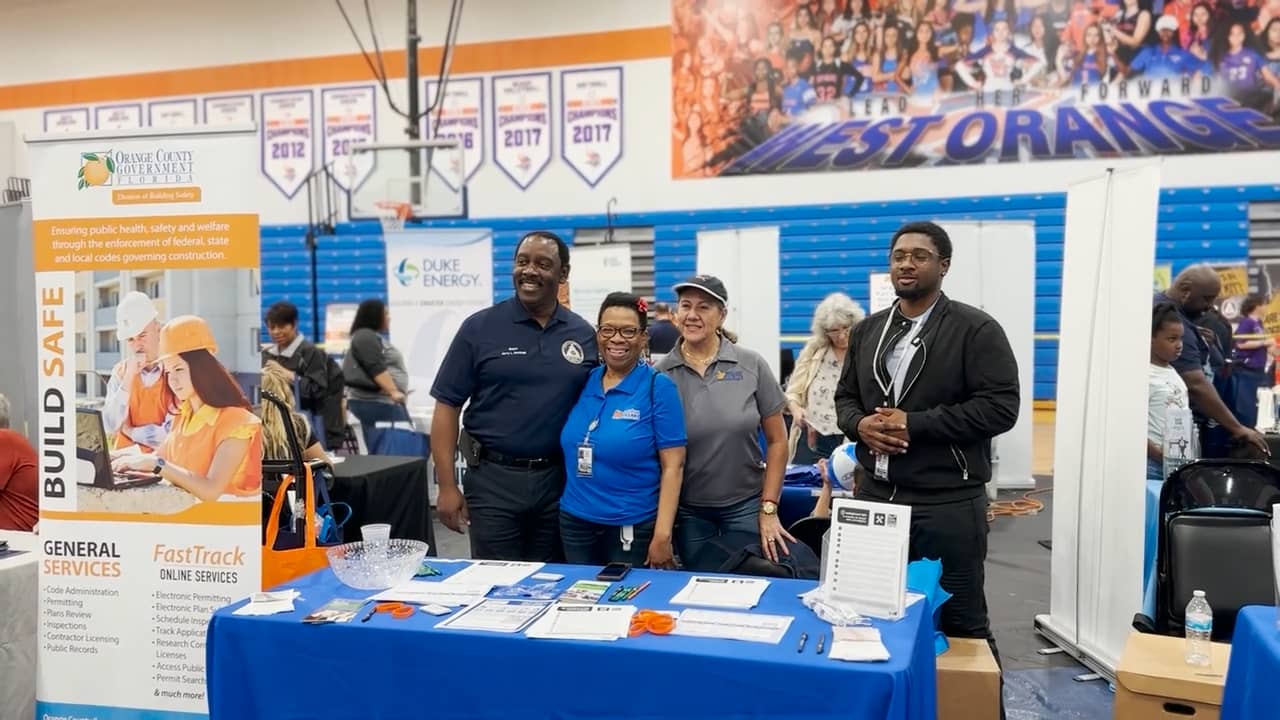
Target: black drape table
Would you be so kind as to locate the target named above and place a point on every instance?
(385, 489)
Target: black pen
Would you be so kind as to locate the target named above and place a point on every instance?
(822, 640)
(372, 610)
(804, 638)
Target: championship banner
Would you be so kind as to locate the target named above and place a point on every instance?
(172, 113)
(591, 121)
(118, 117)
(597, 271)
(435, 280)
(151, 474)
(229, 110)
(66, 120)
(350, 117)
(288, 128)
(776, 86)
(460, 117)
(522, 126)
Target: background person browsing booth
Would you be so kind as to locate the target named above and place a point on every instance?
(729, 394)
(623, 446)
(931, 381)
(320, 383)
(522, 364)
(373, 369)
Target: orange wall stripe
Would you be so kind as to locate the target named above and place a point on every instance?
(588, 48)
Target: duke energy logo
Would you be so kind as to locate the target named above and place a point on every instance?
(406, 272)
(96, 169)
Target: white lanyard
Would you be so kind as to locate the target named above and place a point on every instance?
(912, 337)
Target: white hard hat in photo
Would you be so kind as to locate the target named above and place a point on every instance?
(134, 313)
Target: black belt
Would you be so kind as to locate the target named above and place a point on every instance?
(520, 463)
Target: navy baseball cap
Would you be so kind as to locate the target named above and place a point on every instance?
(708, 284)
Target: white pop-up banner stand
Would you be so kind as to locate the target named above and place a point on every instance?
(746, 260)
(1100, 439)
(435, 280)
(597, 271)
(142, 241)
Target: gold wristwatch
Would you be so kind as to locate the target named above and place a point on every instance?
(768, 507)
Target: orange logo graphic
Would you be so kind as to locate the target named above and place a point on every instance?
(95, 169)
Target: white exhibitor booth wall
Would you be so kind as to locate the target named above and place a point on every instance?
(746, 260)
(1099, 448)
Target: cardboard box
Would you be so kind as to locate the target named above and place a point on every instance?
(1154, 682)
(968, 681)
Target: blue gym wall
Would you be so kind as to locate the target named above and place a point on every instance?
(824, 248)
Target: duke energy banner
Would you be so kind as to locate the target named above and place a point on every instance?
(435, 280)
(775, 86)
(145, 248)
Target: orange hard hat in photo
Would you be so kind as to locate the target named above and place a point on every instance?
(184, 334)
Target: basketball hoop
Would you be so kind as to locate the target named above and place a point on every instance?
(392, 214)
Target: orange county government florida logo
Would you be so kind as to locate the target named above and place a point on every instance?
(95, 169)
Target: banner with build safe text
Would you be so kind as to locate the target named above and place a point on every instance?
(435, 280)
(779, 86)
(150, 457)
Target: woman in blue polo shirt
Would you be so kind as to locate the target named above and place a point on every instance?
(624, 450)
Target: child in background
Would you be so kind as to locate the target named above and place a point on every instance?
(1166, 391)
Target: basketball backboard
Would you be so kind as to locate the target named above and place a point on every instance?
(415, 180)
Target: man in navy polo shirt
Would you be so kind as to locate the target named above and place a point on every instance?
(1193, 292)
(521, 365)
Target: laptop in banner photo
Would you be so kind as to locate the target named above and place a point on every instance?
(92, 449)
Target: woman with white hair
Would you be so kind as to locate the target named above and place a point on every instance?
(812, 387)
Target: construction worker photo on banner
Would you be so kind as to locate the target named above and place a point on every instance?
(214, 446)
(139, 401)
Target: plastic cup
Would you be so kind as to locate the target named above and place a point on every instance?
(376, 534)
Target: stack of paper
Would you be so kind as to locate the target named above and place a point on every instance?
(494, 572)
(493, 615)
(269, 603)
(857, 644)
(733, 626)
(569, 621)
(449, 594)
(865, 565)
(724, 592)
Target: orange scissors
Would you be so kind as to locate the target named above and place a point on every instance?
(658, 623)
(397, 610)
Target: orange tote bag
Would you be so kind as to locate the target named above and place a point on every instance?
(282, 566)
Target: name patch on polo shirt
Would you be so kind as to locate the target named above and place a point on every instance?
(513, 351)
(572, 351)
(728, 375)
(628, 414)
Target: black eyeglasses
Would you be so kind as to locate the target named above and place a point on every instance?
(627, 333)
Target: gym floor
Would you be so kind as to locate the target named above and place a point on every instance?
(1036, 686)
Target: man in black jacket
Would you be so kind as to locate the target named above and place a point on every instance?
(930, 382)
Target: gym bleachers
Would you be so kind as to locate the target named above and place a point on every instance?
(823, 248)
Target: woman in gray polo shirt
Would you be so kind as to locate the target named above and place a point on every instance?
(729, 396)
(374, 370)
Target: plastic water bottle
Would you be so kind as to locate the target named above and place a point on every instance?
(1199, 624)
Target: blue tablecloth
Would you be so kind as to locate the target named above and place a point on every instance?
(1251, 691)
(1150, 545)
(275, 667)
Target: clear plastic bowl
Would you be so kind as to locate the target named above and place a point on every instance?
(379, 567)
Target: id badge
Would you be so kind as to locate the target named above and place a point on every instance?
(584, 460)
(882, 467)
